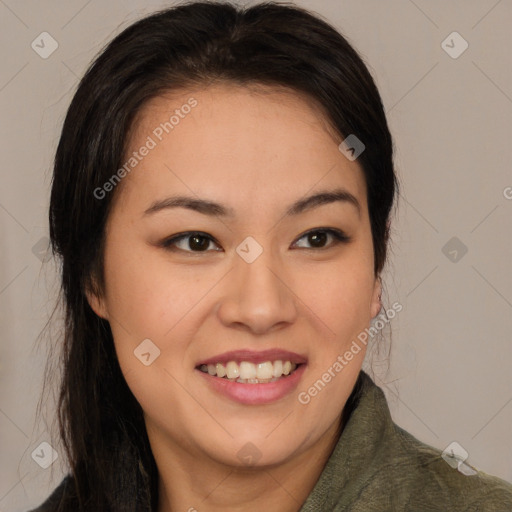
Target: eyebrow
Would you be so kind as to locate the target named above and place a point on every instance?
(211, 208)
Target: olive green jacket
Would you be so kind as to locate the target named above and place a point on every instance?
(378, 467)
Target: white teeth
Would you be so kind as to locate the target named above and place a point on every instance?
(278, 369)
(221, 371)
(264, 370)
(247, 370)
(232, 370)
(251, 373)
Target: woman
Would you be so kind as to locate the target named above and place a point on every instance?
(221, 205)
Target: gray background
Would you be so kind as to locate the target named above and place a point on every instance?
(449, 376)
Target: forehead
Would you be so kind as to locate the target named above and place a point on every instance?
(230, 99)
(237, 144)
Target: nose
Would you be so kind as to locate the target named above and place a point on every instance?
(258, 296)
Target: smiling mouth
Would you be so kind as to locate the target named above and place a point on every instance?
(246, 372)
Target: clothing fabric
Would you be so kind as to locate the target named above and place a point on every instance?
(376, 466)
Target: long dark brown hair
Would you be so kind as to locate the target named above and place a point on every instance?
(192, 44)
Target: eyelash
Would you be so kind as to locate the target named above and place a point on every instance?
(338, 236)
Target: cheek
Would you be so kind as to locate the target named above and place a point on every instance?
(146, 294)
(340, 295)
(148, 308)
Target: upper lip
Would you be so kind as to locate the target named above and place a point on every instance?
(255, 357)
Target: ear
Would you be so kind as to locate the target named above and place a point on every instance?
(96, 300)
(376, 302)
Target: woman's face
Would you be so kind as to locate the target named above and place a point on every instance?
(252, 288)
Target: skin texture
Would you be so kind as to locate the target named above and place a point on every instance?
(256, 152)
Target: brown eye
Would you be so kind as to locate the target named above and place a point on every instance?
(198, 242)
(189, 242)
(319, 237)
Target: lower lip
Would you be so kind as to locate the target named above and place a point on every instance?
(254, 394)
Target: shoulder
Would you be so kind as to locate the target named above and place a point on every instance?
(428, 479)
(378, 466)
(60, 499)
